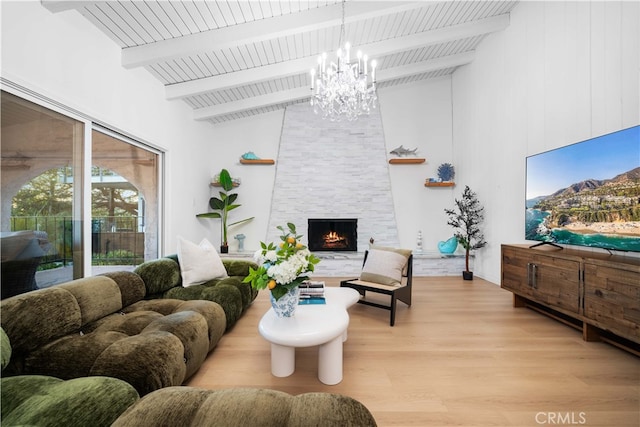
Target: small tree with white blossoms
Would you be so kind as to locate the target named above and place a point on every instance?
(284, 266)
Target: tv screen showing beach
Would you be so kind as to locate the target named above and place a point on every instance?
(587, 194)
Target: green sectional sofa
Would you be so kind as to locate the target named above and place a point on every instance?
(102, 326)
(163, 280)
(84, 352)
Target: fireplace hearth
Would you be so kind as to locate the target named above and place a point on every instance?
(333, 234)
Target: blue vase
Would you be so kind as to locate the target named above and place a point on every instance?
(449, 246)
(286, 305)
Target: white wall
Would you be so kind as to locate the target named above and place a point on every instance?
(261, 135)
(562, 72)
(63, 57)
(418, 115)
(415, 116)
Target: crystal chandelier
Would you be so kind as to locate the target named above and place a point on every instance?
(343, 89)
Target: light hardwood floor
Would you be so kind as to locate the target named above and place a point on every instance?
(460, 355)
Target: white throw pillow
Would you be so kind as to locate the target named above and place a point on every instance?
(385, 265)
(199, 263)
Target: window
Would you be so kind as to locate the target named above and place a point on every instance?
(124, 201)
(63, 214)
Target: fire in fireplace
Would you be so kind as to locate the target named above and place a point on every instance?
(333, 234)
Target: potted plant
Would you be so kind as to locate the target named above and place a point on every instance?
(221, 207)
(465, 219)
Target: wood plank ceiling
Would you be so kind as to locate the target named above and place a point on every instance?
(229, 59)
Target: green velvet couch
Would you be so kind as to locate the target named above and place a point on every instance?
(37, 400)
(103, 326)
(163, 280)
(240, 407)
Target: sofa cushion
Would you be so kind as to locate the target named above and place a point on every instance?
(131, 286)
(47, 401)
(131, 323)
(5, 349)
(97, 296)
(36, 318)
(159, 275)
(192, 329)
(163, 306)
(71, 356)
(199, 263)
(147, 361)
(230, 300)
(213, 314)
(240, 407)
(238, 267)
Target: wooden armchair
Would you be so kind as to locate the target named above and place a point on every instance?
(397, 291)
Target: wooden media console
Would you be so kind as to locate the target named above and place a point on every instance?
(595, 292)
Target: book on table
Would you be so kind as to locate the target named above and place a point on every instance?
(312, 292)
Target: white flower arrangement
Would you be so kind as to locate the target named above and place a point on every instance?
(282, 267)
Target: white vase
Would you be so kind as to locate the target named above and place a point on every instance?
(286, 305)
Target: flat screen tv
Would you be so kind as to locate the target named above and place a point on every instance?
(586, 194)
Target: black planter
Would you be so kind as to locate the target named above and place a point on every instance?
(467, 275)
(224, 249)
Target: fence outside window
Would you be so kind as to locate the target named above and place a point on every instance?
(114, 240)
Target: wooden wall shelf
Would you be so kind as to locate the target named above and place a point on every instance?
(217, 184)
(407, 161)
(257, 162)
(439, 184)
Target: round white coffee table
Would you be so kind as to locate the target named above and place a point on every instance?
(324, 325)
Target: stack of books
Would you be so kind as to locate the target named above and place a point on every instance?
(312, 293)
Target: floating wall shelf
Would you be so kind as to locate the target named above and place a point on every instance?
(439, 184)
(257, 161)
(408, 161)
(217, 184)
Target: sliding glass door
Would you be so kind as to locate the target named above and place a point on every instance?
(42, 198)
(124, 202)
(65, 212)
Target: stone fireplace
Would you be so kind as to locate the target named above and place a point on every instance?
(333, 234)
(333, 170)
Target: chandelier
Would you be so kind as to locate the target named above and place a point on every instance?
(343, 89)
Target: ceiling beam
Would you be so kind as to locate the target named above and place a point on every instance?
(305, 92)
(302, 65)
(251, 103)
(260, 30)
(56, 6)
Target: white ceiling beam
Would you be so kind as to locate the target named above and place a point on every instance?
(56, 6)
(305, 92)
(251, 103)
(302, 65)
(428, 66)
(260, 30)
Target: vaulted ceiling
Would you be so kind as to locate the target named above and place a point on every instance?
(236, 58)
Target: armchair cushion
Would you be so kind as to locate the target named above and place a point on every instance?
(385, 265)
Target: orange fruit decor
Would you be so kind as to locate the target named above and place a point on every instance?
(271, 284)
(291, 240)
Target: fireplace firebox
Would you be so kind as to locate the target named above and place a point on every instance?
(333, 234)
